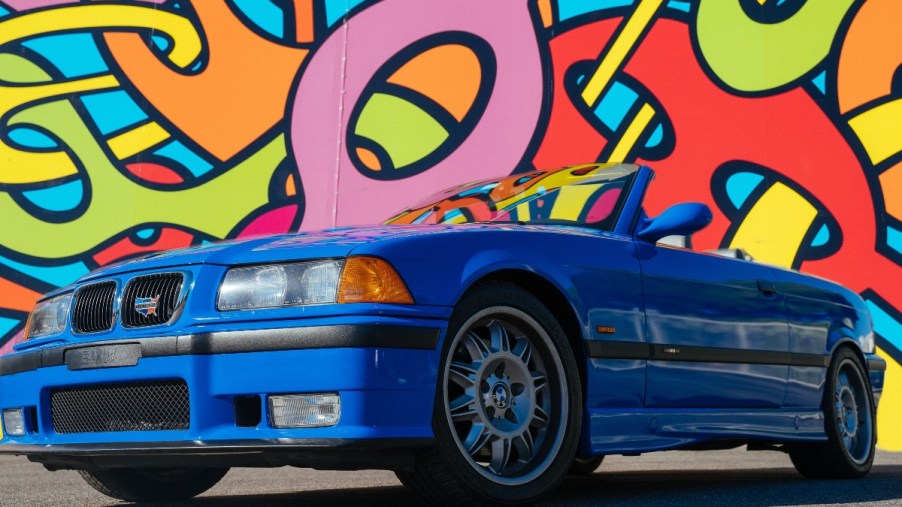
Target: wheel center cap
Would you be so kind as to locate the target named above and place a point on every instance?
(501, 395)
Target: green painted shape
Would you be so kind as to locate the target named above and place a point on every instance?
(751, 56)
(403, 130)
(15, 69)
(118, 204)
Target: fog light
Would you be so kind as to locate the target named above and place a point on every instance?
(304, 410)
(14, 422)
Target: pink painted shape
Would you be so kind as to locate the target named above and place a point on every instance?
(495, 146)
(603, 206)
(277, 221)
(8, 346)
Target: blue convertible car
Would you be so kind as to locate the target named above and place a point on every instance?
(482, 344)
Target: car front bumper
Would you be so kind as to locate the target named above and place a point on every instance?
(384, 373)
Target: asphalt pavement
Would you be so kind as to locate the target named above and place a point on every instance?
(730, 478)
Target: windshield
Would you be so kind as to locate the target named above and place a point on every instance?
(590, 195)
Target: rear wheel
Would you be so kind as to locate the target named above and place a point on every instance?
(507, 406)
(849, 422)
(153, 484)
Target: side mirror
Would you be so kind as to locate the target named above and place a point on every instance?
(680, 220)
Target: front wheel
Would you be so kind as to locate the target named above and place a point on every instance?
(585, 465)
(849, 422)
(508, 404)
(153, 484)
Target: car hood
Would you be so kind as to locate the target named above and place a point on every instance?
(330, 243)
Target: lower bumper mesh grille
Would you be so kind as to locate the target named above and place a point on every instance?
(146, 406)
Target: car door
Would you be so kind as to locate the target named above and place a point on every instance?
(716, 329)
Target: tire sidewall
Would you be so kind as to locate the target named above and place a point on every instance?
(505, 295)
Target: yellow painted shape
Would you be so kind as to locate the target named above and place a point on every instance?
(551, 182)
(137, 140)
(523, 212)
(891, 183)
(879, 130)
(889, 411)
(635, 129)
(633, 29)
(571, 201)
(186, 43)
(20, 167)
(774, 229)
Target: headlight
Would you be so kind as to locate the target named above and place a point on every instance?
(48, 317)
(273, 285)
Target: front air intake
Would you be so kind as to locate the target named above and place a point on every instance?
(144, 406)
(151, 300)
(93, 311)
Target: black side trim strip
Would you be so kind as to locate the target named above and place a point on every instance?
(632, 350)
(876, 364)
(232, 342)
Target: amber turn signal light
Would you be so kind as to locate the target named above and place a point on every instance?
(371, 280)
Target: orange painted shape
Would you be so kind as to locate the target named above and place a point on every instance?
(303, 21)
(290, 187)
(865, 72)
(369, 159)
(16, 297)
(169, 238)
(450, 75)
(545, 12)
(239, 95)
(154, 173)
(891, 182)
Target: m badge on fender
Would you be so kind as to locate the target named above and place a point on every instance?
(147, 306)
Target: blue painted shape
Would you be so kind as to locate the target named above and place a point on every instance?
(822, 236)
(885, 325)
(337, 9)
(740, 185)
(177, 151)
(57, 198)
(31, 138)
(7, 325)
(264, 14)
(894, 238)
(74, 54)
(162, 43)
(820, 81)
(679, 6)
(59, 276)
(145, 233)
(656, 137)
(615, 104)
(112, 111)
(567, 9)
(3, 11)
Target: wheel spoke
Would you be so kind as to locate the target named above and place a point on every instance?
(539, 418)
(463, 374)
(475, 346)
(524, 446)
(476, 439)
(501, 455)
(538, 380)
(523, 350)
(463, 408)
(499, 336)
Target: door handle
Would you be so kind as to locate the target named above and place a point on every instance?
(767, 288)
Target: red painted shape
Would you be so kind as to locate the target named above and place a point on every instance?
(276, 221)
(155, 173)
(169, 238)
(713, 127)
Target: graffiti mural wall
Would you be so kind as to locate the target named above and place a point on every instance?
(134, 126)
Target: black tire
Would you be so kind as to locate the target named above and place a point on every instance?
(151, 484)
(502, 441)
(848, 452)
(585, 465)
